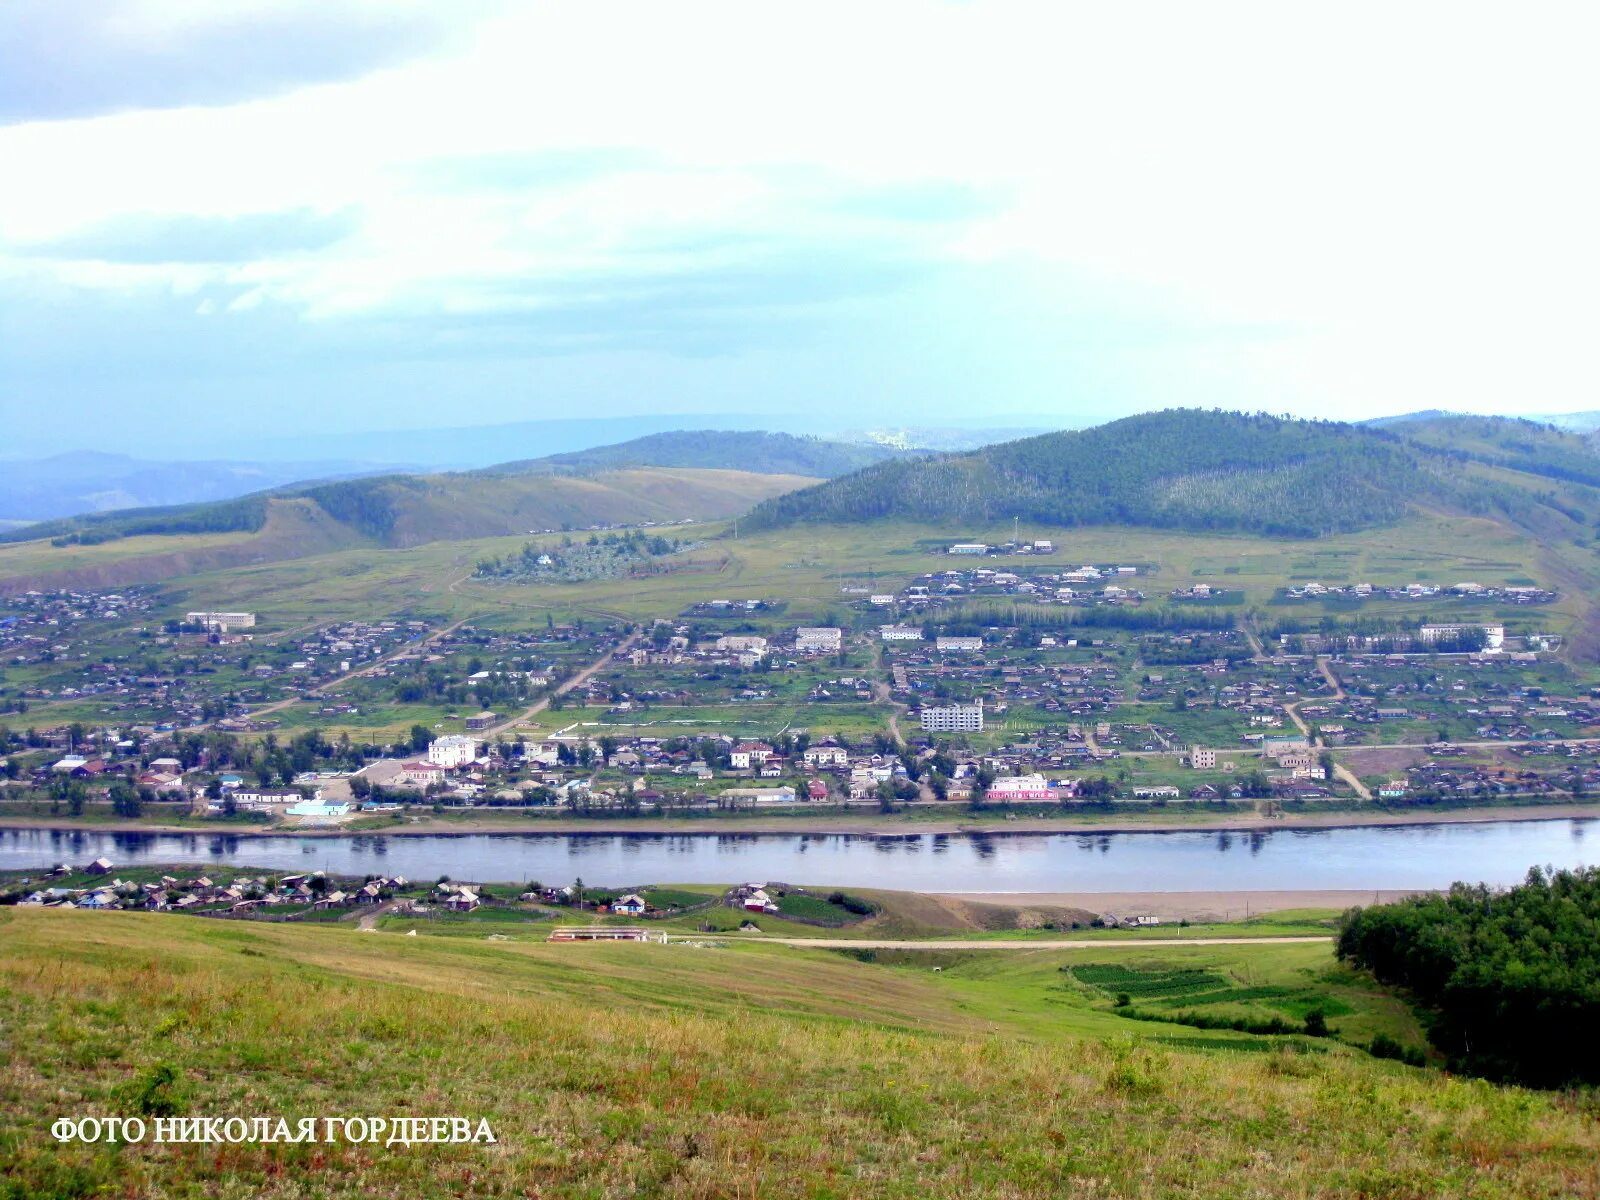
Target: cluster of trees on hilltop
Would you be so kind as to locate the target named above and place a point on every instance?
(1184, 469)
(1511, 979)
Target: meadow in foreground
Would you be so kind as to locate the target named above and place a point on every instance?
(689, 1071)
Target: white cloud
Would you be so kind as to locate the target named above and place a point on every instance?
(1404, 196)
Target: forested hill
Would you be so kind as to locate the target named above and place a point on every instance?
(1179, 469)
(1521, 445)
(762, 453)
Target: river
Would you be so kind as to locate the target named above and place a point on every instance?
(1389, 857)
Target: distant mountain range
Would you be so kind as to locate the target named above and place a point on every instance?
(64, 485)
(719, 474)
(1180, 469)
(34, 489)
(763, 453)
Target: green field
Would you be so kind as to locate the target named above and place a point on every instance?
(682, 1071)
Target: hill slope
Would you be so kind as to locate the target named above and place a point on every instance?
(63, 485)
(1529, 446)
(403, 510)
(635, 1070)
(1199, 471)
(762, 453)
(1182, 469)
(390, 511)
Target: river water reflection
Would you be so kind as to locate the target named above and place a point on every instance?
(1393, 856)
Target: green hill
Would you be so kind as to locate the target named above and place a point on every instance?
(1184, 469)
(763, 453)
(1520, 445)
(403, 509)
(695, 1071)
(406, 510)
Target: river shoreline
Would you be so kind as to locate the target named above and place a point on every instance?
(876, 825)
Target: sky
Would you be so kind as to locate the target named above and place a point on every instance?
(221, 222)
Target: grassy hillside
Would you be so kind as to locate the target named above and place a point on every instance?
(764, 453)
(1180, 469)
(682, 1071)
(388, 512)
(403, 509)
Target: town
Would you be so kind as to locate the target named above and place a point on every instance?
(932, 696)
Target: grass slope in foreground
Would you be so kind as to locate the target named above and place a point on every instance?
(680, 1071)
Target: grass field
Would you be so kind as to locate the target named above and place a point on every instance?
(678, 1071)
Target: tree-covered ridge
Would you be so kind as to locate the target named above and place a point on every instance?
(1512, 978)
(749, 450)
(1182, 469)
(1513, 442)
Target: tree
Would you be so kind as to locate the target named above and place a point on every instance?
(125, 800)
(420, 737)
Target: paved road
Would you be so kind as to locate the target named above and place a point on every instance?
(1030, 944)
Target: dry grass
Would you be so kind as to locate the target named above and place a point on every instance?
(643, 1071)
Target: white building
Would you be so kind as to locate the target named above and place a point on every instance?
(221, 622)
(947, 645)
(900, 633)
(743, 642)
(452, 750)
(819, 640)
(1022, 787)
(953, 718)
(1202, 759)
(1494, 636)
(825, 756)
(969, 548)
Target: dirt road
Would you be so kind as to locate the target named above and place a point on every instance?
(578, 680)
(999, 944)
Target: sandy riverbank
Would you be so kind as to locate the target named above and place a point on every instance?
(864, 825)
(1195, 906)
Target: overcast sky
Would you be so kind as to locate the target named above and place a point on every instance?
(340, 215)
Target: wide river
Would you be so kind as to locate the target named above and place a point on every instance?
(1392, 856)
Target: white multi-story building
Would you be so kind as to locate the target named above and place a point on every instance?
(221, 622)
(1202, 759)
(953, 718)
(825, 756)
(452, 750)
(749, 754)
(946, 645)
(826, 639)
(743, 642)
(900, 633)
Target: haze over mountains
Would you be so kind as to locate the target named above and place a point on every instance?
(93, 481)
(36, 487)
